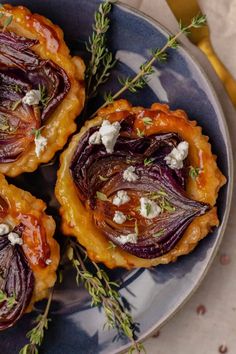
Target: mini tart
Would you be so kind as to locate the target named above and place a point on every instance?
(77, 220)
(24, 214)
(59, 123)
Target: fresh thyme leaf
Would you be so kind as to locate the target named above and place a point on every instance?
(165, 205)
(10, 300)
(44, 98)
(147, 121)
(111, 246)
(139, 132)
(194, 172)
(148, 161)
(148, 208)
(7, 22)
(15, 88)
(101, 196)
(159, 233)
(108, 97)
(104, 179)
(36, 334)
(37, 132)
(199, 21)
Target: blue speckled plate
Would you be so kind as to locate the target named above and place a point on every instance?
(155, 294)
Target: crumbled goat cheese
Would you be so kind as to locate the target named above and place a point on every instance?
(95, 138)
(123, 239)
(32, 97)
(15, 239)
(107, 134)
(176, 157)
(148, 208)
(129, 174)
(40, 144)
(48, 261)
(4, 229)
(121, 198)
(119, 217)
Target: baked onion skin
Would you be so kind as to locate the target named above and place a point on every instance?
(155, 180)
(16, 280)
(36, 261)
(78, 219)
(48, 62)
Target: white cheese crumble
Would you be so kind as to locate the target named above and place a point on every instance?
(148, 208)
(95, 138)
(129, 174)
(48, 261)
(4, 229)
(15, 239)
(40, 144)
(121, 198)
(32, 97)
(123, 239)
(107, 134)
(119, 217)
(176, 157)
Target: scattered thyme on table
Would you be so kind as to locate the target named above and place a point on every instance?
(97, 283)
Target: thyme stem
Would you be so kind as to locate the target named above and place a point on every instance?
(36, 334)
(103, 293)
(139, 80)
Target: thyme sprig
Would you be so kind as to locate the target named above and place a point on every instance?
(36, 334)
(101, 60)
(7, 20)
(139, 81)
(103, 293)
(10, 300)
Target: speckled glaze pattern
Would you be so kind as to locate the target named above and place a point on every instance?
(157, 293)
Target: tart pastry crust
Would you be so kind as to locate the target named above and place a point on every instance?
(25, 209)
(77, 220)
(51, 46)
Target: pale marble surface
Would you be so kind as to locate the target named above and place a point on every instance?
(189, 332)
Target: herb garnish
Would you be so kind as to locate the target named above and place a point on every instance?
(140, 80)
(101, 60)
(163, 202)
(148, 208)
(147, 121)
(103, 179)
(139, 132)
(10, 300)
(36, 334)
(103, 293)
(111, 246)
(194, 171)
(37, 132)
(7, 22)
(101, 196)
(44, 98)
(148, 161)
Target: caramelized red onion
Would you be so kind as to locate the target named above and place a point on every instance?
(16, 280)
(156, 180)
(21, 70)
